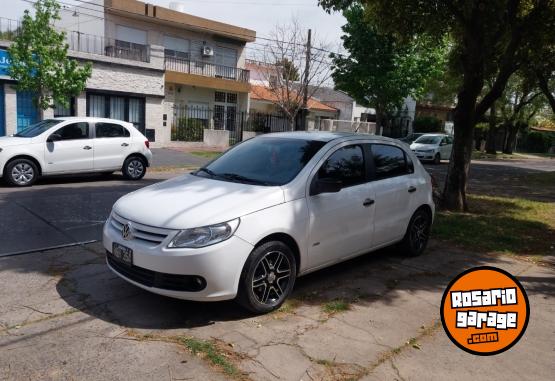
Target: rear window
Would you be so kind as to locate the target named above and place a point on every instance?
(389, 161)
(111, 130)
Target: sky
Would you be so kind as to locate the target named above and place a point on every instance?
(259, 15)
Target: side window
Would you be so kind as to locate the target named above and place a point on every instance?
(345, 164)
(74, 131)
(443, 141)
(449, 140)
(389, 161)
(111, 130)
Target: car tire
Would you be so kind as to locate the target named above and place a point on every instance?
(418, 233)
(21, 173)
(134, 168)
(267, 278)
(437, 159)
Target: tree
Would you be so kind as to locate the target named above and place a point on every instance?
(39, 59)
(283, 62)
(380, 72)
(491, 39)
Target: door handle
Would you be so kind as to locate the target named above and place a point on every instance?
(412, 189)
(124, 144)
(368, 202)
(87, 148)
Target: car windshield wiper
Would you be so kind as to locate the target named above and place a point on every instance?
(206, 170)
(241, 178)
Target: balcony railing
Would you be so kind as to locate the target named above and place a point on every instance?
(86, 43)
(207, 69)
(109, 47)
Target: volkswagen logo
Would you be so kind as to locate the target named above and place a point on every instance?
(126, 232)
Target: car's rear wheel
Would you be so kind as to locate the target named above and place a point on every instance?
(268, 277)
(134, 168)
(418, 233)
(21, 173)
(437, 158)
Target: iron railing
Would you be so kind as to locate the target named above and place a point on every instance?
(206, 69)
(110, 47)
(189, 123)
(86, 43)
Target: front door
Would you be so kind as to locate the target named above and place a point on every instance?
(341, 224)
(27, 112)
(73, 152)
(112, 144)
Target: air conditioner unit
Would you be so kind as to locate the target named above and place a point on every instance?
(207, 51)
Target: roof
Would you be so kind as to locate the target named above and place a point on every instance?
(162, 15)
(262, 93)
(326, 136)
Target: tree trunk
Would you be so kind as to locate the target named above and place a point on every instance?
(511, 139)
(492, 132)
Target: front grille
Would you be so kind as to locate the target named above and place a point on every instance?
(146, 234)
(149, 278)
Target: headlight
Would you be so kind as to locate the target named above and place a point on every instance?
(204, 236)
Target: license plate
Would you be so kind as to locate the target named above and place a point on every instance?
(122, 253)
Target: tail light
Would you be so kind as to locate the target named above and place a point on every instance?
(147, 144)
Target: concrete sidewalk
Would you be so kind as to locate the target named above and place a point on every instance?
(64, 315)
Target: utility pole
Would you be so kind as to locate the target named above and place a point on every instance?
(306, 80)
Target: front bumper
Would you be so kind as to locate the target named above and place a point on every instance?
(219, 265)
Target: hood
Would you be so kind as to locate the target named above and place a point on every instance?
(189, 201)
(7, 141)
(420, 146)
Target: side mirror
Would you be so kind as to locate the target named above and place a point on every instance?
(325, 186)
(54, 138)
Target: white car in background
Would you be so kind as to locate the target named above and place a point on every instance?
(73, 145)
(433, 147)
(268, 210)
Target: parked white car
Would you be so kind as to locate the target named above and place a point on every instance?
(268, 210)
(73, 145)
(433, 147)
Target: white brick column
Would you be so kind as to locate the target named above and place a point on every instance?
(81, 105)
(10, 97)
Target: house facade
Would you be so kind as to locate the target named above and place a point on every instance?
(147, 60)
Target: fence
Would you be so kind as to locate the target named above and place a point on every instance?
(86, 43)
(9, 29)
(346, 126)
(191, 123)
(207, 69)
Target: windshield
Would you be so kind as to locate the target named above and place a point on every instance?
(37, 128)
(427, 139)
(263, 161)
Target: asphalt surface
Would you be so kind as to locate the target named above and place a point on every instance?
(70, 210)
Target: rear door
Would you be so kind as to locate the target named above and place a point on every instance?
(112, 144)
(341, 224)
(73, 152)
(394, 187)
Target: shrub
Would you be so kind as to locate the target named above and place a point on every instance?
(189, 130)
(427, 124)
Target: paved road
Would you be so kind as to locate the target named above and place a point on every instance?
(62, 211)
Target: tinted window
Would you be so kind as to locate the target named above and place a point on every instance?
(37, 128)
(449, 140)
(389, 161)
(111, 130)
(264, 161)
(74, 131)
(345, 164)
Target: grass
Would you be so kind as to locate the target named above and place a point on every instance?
(500, 224)
(540, 179)
(206, 154)
(336, 306)
(211, 353)
(172, 168)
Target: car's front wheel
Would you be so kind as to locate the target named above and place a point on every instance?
(21, 173)
(418, 233)
(268, 277)
(134, 168)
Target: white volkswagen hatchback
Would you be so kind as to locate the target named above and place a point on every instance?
(268, 210)
(73, 145)
(433, 147)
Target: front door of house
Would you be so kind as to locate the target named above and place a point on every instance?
(27, 112)
(225, 111)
